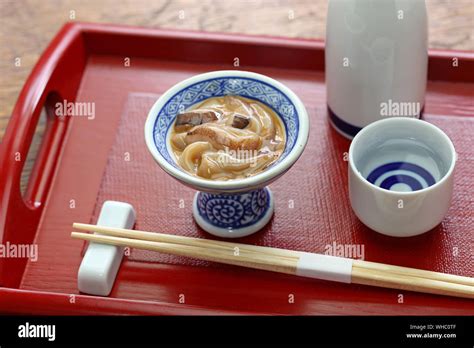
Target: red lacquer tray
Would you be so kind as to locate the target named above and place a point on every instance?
(82, 163)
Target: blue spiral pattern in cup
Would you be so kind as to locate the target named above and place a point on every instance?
(411, 175)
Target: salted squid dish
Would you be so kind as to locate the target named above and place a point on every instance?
(229, 137)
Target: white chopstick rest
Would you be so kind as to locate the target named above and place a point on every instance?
(101, 262)
(325, 267)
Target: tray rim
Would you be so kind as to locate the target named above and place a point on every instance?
(34, 93)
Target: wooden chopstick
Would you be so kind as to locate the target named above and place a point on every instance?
(276, 260)
(405, 282)
(169, 238)
(253, 260)
(206, 243)
(451, 278)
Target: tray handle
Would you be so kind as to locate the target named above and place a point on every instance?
(40, 177)
(56, 77)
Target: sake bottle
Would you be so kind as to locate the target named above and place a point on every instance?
(376, 61)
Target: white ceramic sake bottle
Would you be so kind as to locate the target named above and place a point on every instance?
(376, 61)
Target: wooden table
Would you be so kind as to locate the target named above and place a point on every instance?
(27, 26)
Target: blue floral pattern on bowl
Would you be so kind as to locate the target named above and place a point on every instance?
(233, 211)
(216, 87)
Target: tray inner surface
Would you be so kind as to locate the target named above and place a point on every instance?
(312, 207)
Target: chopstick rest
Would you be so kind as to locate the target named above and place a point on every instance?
(325, 267)
(101, 262)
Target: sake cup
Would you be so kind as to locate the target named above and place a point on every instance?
(401, 176)
(233, 208)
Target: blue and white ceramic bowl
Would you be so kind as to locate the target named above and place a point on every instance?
(240, 207)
